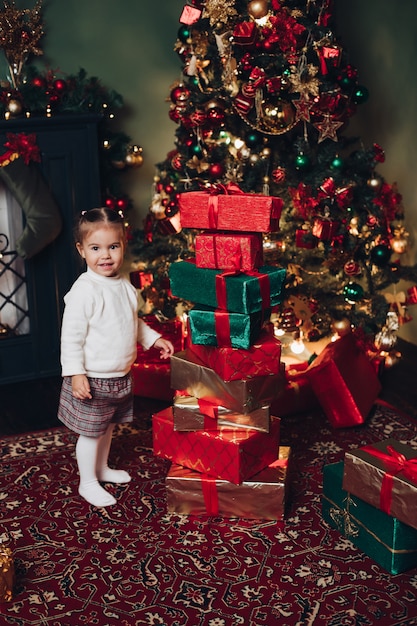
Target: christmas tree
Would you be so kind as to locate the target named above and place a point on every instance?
(264, 101)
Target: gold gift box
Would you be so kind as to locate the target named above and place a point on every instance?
(243, 396)
(7, 576)
(264, 496)
(188, 416)
(364, 474)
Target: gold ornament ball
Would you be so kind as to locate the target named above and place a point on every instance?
(399, 245)
(341, 327)
(258, 9)
(134, 157)
(374, 182)
(14, 106)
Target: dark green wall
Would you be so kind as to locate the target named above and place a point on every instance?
(128, 44)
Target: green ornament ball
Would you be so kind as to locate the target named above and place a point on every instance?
(184, 33)
(380, 255)
(253, 139)
(360, 95)
(353, 292)
(337, 163)
(196, 151)
(302, 162)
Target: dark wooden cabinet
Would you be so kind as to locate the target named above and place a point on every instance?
(70, 165)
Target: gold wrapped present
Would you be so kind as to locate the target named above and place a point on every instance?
(243, 396)
(264, 496)
(193, 414)
(7, 576)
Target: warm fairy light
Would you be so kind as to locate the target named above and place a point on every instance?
(297, 346)
(238, 144)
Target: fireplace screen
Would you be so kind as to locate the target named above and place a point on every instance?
(14, 313)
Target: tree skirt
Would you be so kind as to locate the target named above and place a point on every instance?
(134, 564)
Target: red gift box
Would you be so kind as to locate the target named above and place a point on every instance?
(344, 382)
(325, 229)
(297, 395)
(141, 279)
(152, 380)
(232, 455)
(262, 358)
(229, 252)
(171, 329)
(198, 414)
(384, 475)
(264, 496)
(305, 239)
(230, 210)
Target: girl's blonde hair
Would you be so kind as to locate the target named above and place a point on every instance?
(93, 217)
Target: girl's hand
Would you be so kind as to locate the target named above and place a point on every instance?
(81, 387)
(166, 348)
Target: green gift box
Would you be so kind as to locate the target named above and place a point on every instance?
(238, 292)
(389, 542)
(211, 327)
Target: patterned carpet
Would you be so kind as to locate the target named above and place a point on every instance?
(134, 564)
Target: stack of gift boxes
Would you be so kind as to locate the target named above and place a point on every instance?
(370, 498)
(219, 433)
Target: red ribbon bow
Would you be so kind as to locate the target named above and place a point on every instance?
(395, 463)
(213, 203)
(341, 196)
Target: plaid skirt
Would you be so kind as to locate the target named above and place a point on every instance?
(112, 402)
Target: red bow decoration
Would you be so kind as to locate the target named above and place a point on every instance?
(328, 191)
(412, 295)
(395, 463)
(303, 200)
(213, 207)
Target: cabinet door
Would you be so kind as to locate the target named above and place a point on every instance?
(69, 163)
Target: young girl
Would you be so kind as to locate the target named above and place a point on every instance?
(100, 328)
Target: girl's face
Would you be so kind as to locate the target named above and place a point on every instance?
(103, 249)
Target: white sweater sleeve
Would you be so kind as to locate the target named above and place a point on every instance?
(146, 335)
(77, 312)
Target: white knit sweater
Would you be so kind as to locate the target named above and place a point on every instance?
(100, 327)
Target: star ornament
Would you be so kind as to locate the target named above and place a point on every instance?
(328, 128)
(302, 108)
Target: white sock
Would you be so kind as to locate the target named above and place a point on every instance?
(86, 452)
(104, 473)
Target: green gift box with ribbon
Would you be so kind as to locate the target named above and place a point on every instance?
(232, 291)
(389, 542)
(212, 327)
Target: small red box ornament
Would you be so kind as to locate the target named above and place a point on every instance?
(245, 34)
(325, 229)
(190, 15)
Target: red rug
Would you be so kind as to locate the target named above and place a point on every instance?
(134, 564)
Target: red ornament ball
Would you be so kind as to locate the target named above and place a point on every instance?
(216, 170)
(279, 175)
(352, 268)
(122, 204)
(59, 85)
(39, 82)
(179, 94)
(216, 117)
(110, 203)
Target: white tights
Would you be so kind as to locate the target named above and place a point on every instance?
(92, 457)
